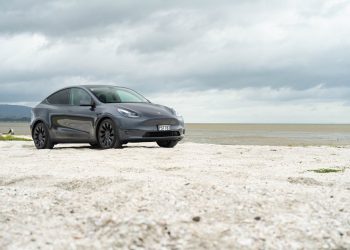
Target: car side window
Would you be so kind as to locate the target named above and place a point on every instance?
(61, 97)
(78, 96)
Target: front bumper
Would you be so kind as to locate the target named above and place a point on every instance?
(146, 130)
(133, 135)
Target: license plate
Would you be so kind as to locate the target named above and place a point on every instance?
(163, 127)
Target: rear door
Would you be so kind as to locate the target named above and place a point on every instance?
(59, 113)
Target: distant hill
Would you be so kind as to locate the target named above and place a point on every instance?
(14, 113)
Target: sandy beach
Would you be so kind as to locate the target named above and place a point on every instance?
(195, 196)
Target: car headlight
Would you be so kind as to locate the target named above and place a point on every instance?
(128, 113)
(176, 113)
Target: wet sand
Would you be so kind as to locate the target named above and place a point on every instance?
(269, 134)
(195, 196)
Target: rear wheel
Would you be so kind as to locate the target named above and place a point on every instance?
(167, 144)
(107, 135)
(41, 137)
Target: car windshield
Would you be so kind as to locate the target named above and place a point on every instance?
(117, 95)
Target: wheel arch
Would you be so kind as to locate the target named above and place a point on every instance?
(36, 123)
(102, 118)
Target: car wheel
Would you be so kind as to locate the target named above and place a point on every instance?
(41, 137)
(167, 144)
(107, 135)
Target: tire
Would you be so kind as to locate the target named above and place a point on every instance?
(167, 144)
(41, 137)
(107, 135)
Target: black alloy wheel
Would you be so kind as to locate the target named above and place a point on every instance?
(108, 135)
(167, 144)
(41, 137)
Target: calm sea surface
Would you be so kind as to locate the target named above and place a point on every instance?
(247, 134)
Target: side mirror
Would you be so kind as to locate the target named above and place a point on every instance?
(90, 103)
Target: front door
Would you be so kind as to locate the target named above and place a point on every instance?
(81, 118)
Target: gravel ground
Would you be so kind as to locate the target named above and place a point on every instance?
(195, 196)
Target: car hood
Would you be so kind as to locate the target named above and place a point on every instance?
(147, 109)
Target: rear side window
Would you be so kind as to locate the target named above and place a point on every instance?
(60, 97)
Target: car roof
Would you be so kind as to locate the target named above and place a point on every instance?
(95, 86)
(85, 86)
(89, 86)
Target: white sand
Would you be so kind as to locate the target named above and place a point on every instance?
(246, 197)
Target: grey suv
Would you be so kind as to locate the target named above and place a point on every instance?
(105, 117)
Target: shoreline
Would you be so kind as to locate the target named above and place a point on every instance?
(251, 134)
(264, 142)
(345, 145)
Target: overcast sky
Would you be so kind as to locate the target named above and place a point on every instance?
(214, 61)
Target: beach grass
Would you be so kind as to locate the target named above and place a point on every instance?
(327, 170)
(13, 138)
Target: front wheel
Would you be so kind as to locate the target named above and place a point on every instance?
(41, 137)
(167, 144)
(107, 135)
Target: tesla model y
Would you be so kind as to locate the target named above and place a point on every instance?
(104, 116)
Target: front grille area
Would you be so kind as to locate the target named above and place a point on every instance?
(162, 121)
(161, 134)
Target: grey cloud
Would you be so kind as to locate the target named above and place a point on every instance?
(157, 46)
(74, 18)
(61, 17)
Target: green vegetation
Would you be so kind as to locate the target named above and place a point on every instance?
(327, 170)
(13, 138)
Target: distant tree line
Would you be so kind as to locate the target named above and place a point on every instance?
(12, 119)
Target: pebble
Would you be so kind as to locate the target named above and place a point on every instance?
(196, 219)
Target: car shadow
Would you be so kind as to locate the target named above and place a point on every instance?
(140, 147)
(96, 148)
(73, 147)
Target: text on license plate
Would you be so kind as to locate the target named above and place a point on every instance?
(163, 127)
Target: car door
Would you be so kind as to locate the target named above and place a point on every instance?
(59, 112)
(71, 122)
(81, 116)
